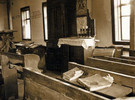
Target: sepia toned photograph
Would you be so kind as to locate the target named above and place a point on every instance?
(67, 49)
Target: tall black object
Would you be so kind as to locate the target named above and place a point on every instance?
(61, 23)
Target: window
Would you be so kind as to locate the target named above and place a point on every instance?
(25, 15)
(121, 21)
(45, 22)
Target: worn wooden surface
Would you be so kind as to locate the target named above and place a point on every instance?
(119, 78)
(119, 67)
(60, 87)
(115, 90)
(34, 90)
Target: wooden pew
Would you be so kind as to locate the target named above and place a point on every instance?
(120, 67)
(119, 78)
(43, 87)
(52, 88)
(26, 60)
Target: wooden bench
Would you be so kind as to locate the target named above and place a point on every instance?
(52, 88)
(112, 64)
(10, 75)
(44, 87)
(123, 79)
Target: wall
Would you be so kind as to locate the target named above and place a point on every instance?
(36, 19)
(89, 6)
(3, 16)
(101, 12)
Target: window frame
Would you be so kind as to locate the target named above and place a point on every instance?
(122, 42)
(45, 39)
(25, 9)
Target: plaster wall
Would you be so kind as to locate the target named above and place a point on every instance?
(3, 16)
(101, 12)
(89, 6)
(36, 19)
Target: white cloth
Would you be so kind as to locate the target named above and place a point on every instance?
(74, 41)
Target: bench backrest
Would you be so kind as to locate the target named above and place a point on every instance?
(103, 52)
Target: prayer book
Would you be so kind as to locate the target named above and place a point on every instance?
(73, 74)
(96, 82)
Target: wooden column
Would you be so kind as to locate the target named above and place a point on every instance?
(132, 29)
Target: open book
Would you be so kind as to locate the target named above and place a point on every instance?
(96, 82)
(72, 74)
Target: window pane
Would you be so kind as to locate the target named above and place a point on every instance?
(125, 1)
(125, 10)
(28, 16)
(26, 24)
(121, 23)
(125, 28)
(26, 29)
(45, 23)
(23, 16)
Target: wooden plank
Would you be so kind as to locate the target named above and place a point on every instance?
(123, 68)
(121, 60)
(13, 55)
(61, 87)
(128, 57)
(14, 58)
(119, 78)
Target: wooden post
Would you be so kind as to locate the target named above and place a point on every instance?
(10, 78)
(132, 29)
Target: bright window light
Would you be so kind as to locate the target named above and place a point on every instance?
(45, 21)
(26, 23)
